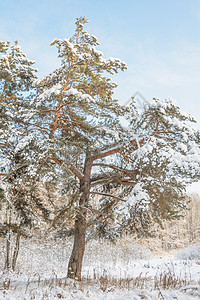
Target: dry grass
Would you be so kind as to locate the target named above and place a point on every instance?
(106, 282)
(101, 282)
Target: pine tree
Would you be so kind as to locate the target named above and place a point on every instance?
(77, 115)
(139, 172)
(16, 82)
(20, 201)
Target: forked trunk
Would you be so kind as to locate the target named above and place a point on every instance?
(76, 259)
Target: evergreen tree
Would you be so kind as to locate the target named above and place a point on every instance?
(139, 172)
(20, 203)
(16, 81)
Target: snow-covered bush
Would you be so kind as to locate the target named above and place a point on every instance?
(192, 252)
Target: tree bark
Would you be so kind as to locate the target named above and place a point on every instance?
(8, 239)
(76, 259)
(16, 251)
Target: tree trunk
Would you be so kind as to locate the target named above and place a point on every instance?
(76, 259)
(16, 251)
(8, 239)
(7, 262)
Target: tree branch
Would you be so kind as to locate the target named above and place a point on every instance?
(111, 178)
(117, 149)
(76, 172)
(108, 195)
(96, 211)
(72, 168)
(7, 175)
(115, 168)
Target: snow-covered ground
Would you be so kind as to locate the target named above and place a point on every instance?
(110, 272)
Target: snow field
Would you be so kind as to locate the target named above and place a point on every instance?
(120, 271)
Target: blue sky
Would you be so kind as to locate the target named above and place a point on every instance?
(159, 40)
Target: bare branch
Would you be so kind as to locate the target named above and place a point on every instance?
(72, 168)
(108, 195)
(76, 172)
(96, 211)
(111, 178)
(116, 168)
(7, 175)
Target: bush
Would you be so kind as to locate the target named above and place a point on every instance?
(192, 253)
